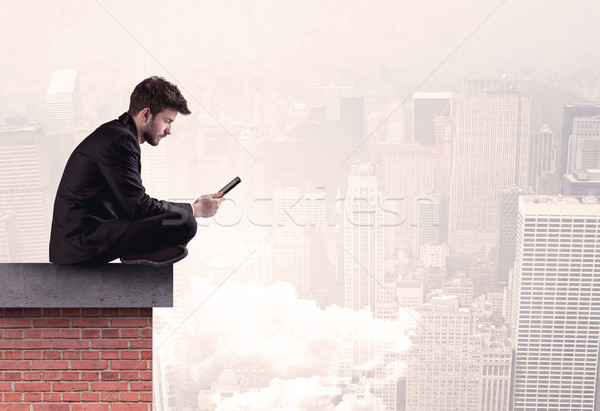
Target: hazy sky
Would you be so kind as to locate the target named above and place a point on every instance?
(289, 43)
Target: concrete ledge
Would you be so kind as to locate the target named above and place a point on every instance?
(108, 285)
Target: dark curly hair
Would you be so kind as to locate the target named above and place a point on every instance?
(157, 94)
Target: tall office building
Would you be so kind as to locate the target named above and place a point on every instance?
(363, 240)
(444, 368)
(64, 110)
(555, 304)
(571, 111)
(507, 228)
(426, 107)
(25, 188)
(395, 128)
(490, 152)
(9, 251)
(542, 155)
(408, 173)
(584, 144)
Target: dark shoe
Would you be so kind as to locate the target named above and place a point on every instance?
(157, 258)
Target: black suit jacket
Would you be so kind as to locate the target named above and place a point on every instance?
(100, 193)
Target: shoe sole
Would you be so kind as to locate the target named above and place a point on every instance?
(154, 263)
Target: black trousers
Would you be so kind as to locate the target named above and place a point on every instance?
(173, 228)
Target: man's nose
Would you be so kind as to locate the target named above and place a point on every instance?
(168, 130)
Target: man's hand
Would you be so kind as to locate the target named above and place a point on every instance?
(207, 205)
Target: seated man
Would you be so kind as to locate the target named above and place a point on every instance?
(102, 211)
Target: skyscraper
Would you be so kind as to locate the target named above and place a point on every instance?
(64, 110)
(569, 113)
(363, 240)
(554, 310)
(490, 152)
(426, 107)
(25, 189)
(584, 144)
(542, 155)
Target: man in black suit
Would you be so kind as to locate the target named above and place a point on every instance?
(102, 211)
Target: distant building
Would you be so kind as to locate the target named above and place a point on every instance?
(64, 110)
(582, 183)
(426, 107)
(490, 152)
(571, 111)
(584, 144)
(542, 156)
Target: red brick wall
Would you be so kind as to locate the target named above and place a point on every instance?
(72, 359)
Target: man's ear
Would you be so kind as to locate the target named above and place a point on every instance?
(146, 115)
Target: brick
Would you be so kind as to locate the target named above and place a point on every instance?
(146, 312)
(32, 386)
(109, 396)
(146, 333)
(90, 322)
(146, 375)
(5, 386)
(111, 333)
(14, 365)
(32, 334)
(14, 323)
(6, 344)
(52, 376)
(66, 344)
(71, 396)
(51, 323)
(89, 365)
(141, 386)
(13, 396)
(51, 312)
(51, 407)
(90, 396)
(130, 396)
(12, 334)
(146, 396)
(90, 312)
(130, 333)
(90, 407)
(129, 322)
(13, 355)
(51, 333)
(71, 355)
(52, 355)
(71, 333)
(13, 312)
(110, 355)
(14, 407)
(90, 333)
(141, 344)
(130, 376)
(33, 345)
(110, 312)
(109, 376)
(71, 312)
(129, 365)
(32, 376)
(12, 376)
(130, 407)
(70, 386)
(130, 312)
(69, 376)
(50, 365)
(90, 355)
(32, 355)
(32, 396)
(89, 376)
(109, 386)
(130, 355)
(32, 312)
(146, 355)
(110, 344)
(52, 396)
